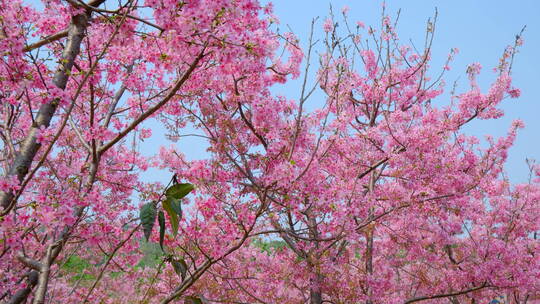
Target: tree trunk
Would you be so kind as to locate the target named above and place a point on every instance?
(315, 294)
(21, 295)
(30, 146)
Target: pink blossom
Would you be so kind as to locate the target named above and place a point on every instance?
(514, 93)
(328, 25)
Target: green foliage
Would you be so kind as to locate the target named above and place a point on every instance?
(269, 246)
(148, 217)
(171, 205)
(77, 269)
(76, 266)
(180, 267)
(179, 191)
(161, 221)
(152, 255)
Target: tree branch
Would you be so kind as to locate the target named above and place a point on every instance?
(158, 106)
(21, 295)
(46, 40)
(446, 295)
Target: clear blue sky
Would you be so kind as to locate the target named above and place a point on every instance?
(480, 29)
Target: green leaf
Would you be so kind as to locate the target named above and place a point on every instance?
(161, 221)
(178, 191)
(193, 300)
(171, 205)
(148, 217)
(180, 267)
(176, 206)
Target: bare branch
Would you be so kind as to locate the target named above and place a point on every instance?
(46, 40)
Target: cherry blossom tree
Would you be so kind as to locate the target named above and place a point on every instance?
(372, 195)
(378, 196)
(79, 80)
